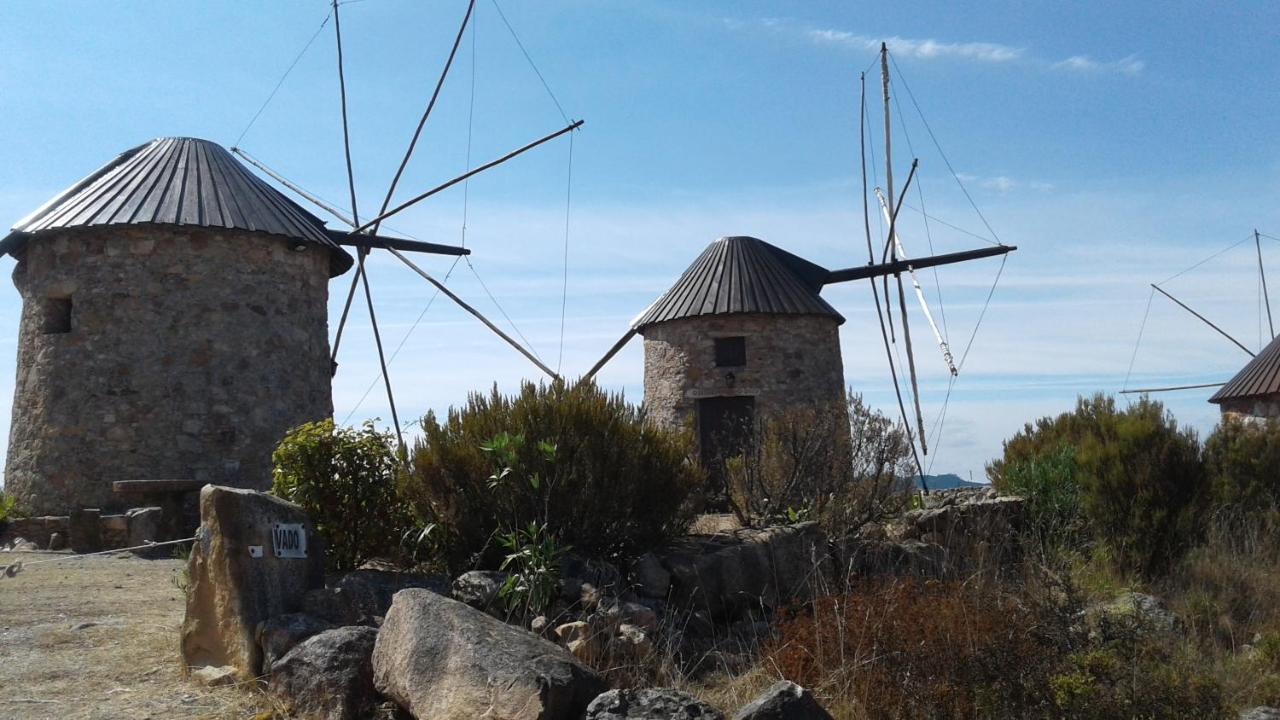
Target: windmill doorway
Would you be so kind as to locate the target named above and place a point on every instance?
(725, 426)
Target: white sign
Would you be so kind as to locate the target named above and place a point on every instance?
(289, 540)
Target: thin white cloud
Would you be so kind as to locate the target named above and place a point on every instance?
(941, 50)
(926, 49)
(1129, 65)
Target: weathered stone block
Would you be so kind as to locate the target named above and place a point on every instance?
(146, 525)
(444, 660)
(86, 530)
(232, 591)
(729, 574)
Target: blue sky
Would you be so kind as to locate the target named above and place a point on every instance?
(1115, 143)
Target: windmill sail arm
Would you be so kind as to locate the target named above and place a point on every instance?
(915, 284)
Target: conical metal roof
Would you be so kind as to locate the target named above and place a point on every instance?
(1261, 377)
(742, 275)
(178, 181)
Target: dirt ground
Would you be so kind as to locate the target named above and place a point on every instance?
(97, 637)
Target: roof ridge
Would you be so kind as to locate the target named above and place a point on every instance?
(740, 274)
(182, 181)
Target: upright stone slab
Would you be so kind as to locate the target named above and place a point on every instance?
(86, 530)
(240, 578)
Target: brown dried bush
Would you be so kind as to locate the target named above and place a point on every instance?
(921, 649)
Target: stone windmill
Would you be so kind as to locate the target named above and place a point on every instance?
(174, 321)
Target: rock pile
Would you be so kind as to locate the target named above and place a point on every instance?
(445, 649)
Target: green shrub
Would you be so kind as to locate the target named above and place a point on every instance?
(346, 480)
(1139, 474)
(1050, 485)
(1242, 461)
(8, 509)
(613, 484)
(1136, 677)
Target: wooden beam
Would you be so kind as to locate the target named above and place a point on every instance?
(1171, 389)
(897, 266)
(382, 242)
(609, 355)
(1202, 319)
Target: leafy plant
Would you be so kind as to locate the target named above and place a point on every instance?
(533, 564)
(345, 478)
(580, 461)
(8, 503)
(1050, 487)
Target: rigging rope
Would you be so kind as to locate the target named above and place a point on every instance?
(288, 70)
(937, 145)
(1141, 329)
(501, 309)
(1211, 257)
(884, 334)
(471, 114)
(937, 284)
(373, 383)
(536, 71)
(564, 291)
(417, 132)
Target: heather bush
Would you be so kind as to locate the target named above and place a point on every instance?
(345, 478)
(1242, 462)
(1140, 477)
(840, 469)
(614, 484)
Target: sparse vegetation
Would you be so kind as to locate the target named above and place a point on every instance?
(815, 465)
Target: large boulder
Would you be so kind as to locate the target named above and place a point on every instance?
(650, 704)
(1262, 712)
(237, 581)
(479, 588)
(444, 660)
(729, 574)
(280, 634)
(328, 676)
(784, 701)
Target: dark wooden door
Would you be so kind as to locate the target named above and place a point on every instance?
(725, 426)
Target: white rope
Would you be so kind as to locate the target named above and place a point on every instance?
(14, 568)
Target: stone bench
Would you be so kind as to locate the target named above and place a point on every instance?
(168, 495)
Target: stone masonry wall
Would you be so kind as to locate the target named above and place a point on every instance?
(190, 353)
(1252, 409)
(793, 361)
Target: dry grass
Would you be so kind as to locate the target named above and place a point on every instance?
(97, 637)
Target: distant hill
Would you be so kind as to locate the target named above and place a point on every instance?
(947, 482)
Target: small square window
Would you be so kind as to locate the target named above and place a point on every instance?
(731, 351)
(56, 316)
